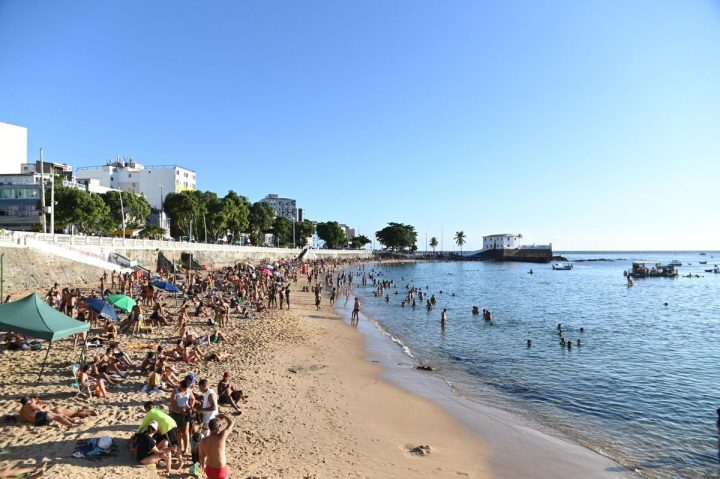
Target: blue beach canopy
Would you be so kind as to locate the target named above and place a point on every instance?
(102, 308)
(169, 287)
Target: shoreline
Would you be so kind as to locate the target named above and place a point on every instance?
(516, 447)
(320, 405)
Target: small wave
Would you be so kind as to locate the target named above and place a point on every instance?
(393, 338)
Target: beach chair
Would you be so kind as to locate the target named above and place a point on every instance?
(75, 383)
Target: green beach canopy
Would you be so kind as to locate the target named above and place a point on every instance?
(34, 317)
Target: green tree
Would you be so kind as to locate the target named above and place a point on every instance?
(332, 234)
(152, 231)
(184, 209)
(282, 229)
(359, 241)
(87, 211)
(237, 210)
(460, 240)
(261, 219)
(304, 230)
(433, 243)
(398, 236)
(137, 208)
(216, 216)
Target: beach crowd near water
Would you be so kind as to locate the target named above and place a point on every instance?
(176, 383)
(165, 355)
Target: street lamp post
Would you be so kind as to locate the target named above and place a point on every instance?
(162, 210)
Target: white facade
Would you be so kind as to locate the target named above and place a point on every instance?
(285, 207)
(154, 182)
(502, 241)
(13, 147)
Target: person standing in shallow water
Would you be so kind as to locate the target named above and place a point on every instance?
(443, 318)
(355, 317)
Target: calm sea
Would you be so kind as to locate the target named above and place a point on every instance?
(643, 389)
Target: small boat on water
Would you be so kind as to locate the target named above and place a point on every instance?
(675, 263)
(703, 262)
(562, 266)
(703, 254)
(651, 269)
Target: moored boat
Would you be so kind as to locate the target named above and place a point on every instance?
(651, 269)
(675, 263)
(562, 266)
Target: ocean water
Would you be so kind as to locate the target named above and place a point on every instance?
(643, 388)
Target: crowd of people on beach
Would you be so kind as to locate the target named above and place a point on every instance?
(190, 426)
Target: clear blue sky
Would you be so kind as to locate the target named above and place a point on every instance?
(592, 124)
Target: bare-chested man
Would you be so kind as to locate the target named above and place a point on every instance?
(212, 449)
(34, 412)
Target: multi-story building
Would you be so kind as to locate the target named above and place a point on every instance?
(21, 193)
(13, 147)
(154, 182)
(285, 207)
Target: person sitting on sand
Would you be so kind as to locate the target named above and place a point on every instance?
(148, 451)
(16, 342)
(34, 412)
(110, 332)
(94, 385)
(168, 378)
(148, 363)
(228, 394)
(108, 362)
(158, 317)
(165, 435)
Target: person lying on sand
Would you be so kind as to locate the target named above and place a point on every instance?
(34, 412)
(26, 472)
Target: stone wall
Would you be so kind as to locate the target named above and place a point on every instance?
(26, 269)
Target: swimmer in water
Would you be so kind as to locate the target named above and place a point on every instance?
(562, 341)
(579, 343)
(582, 330)
(529, 343)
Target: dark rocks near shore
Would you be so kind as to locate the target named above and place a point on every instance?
(424, 367)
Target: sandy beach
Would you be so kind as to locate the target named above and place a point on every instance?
(316, 409)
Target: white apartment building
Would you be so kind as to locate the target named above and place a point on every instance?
(154, 182)
(285, 207)
(13, 148)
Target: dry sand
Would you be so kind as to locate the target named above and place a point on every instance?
(316, 408)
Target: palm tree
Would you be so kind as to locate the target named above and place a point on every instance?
(433, 243)
(460, 240)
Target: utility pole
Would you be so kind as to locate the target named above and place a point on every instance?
(205, 226)
(2, 279)
(52, 201)
(122, 214)
(43, 218)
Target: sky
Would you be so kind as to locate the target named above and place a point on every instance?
(591, 125)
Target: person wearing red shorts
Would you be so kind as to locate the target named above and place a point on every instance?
(212, 449)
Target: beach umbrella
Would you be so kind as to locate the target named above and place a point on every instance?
(102, 308)
(165, 286)
(121, 301)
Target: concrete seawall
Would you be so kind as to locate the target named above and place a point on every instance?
(26, 268)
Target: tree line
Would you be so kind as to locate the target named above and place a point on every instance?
(193, 214)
